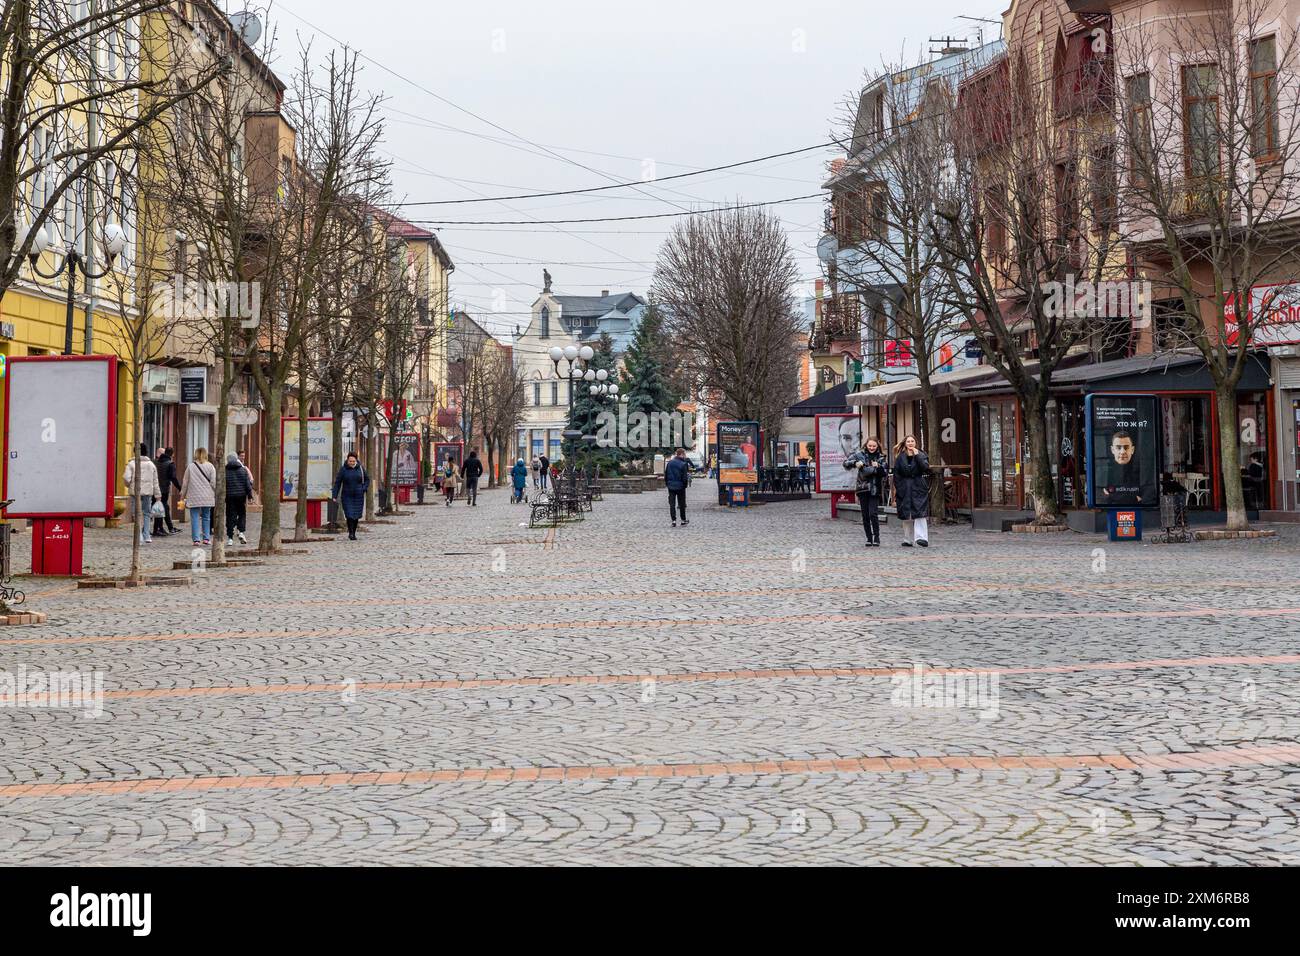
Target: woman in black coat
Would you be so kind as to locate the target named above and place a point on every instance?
(871, 467)
(350, 486)
(912, 492)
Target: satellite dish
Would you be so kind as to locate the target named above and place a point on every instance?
(248, 26)
(827, 246)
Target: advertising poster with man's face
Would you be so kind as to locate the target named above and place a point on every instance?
(1124, 443)
(444, 450)
(738, 444)
(838, 437)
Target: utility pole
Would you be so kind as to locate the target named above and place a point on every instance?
(92, 141)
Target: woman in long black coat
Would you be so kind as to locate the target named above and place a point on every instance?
(912, 492)
(350, 486)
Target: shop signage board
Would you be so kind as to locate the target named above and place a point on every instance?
(194, 386)
(1278, 307)
(738, 453)
(1123, 450)
(838, 437)
(320, 462)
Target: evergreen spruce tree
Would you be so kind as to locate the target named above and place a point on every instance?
(645, 381)
(587, 409)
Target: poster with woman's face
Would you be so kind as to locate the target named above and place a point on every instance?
(838, 437)
(1124, 451)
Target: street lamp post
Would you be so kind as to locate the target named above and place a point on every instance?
(114, 242)
(576, 359)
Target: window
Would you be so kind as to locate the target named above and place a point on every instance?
(1104, 194)
(537, 393)
(1263, 97)
(1201, 120)
(546, 322)
(555, 393)
(1168, 322)
(879, 199)
(995, 221)
(851, 215)
(1139, 127)
(878, 114)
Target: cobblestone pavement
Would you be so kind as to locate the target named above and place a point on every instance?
(456, 688)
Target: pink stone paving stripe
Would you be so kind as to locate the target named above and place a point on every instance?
(783, 673)
(1203, 760)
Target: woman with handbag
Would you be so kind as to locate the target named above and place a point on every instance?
(449, 480)
(199, 489)
(872, 467)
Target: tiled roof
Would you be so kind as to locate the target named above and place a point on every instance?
(596, 305)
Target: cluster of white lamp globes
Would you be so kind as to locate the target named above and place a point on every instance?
(114, 242)
(596, 378)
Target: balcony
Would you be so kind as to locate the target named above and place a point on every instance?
(1198, 201)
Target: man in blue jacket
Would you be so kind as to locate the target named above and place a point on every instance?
(677, 475)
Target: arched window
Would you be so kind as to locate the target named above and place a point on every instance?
(546, 322)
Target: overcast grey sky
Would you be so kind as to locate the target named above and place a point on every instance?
(624, 89)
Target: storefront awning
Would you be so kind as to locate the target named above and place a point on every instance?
(1158, 372)
(885, 394)
(829, 402)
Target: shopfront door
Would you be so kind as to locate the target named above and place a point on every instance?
(998, 474)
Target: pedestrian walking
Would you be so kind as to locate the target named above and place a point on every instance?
(472, 471)
(546, 468)
(239, 489)
(149, 490)
(871, 467)
(912, 492)
(165, 463)
(449, 479)
(199, 490)
(519, 478)
(677, 475)
(350, 486)
(537, 473)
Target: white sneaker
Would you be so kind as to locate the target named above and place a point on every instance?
(242, 539)
(230, 542)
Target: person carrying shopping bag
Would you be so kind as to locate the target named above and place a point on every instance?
(199, 489)
(149, 490)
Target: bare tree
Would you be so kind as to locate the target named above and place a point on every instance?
(79, 87)
(338, 127)
(725, 282)
(884, 215)
(1027, 212)
(1212, 187)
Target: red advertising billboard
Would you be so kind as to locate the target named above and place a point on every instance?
(60, 436)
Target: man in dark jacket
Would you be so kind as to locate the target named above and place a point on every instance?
(677, 475)
(546, 469)
(166, 465)
(239, 488)
(472, 471)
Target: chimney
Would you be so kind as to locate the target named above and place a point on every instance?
(604, 293)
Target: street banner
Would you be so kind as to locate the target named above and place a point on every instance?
(1123, 439)
(60, 436)
(738, 444)
(406, 464)
(320, 461)
(838, 437)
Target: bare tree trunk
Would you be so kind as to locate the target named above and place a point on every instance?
(1225, 400)
(304, 450)
(269, 539)
(135, 475)
(219, 446)
(1046, 509)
